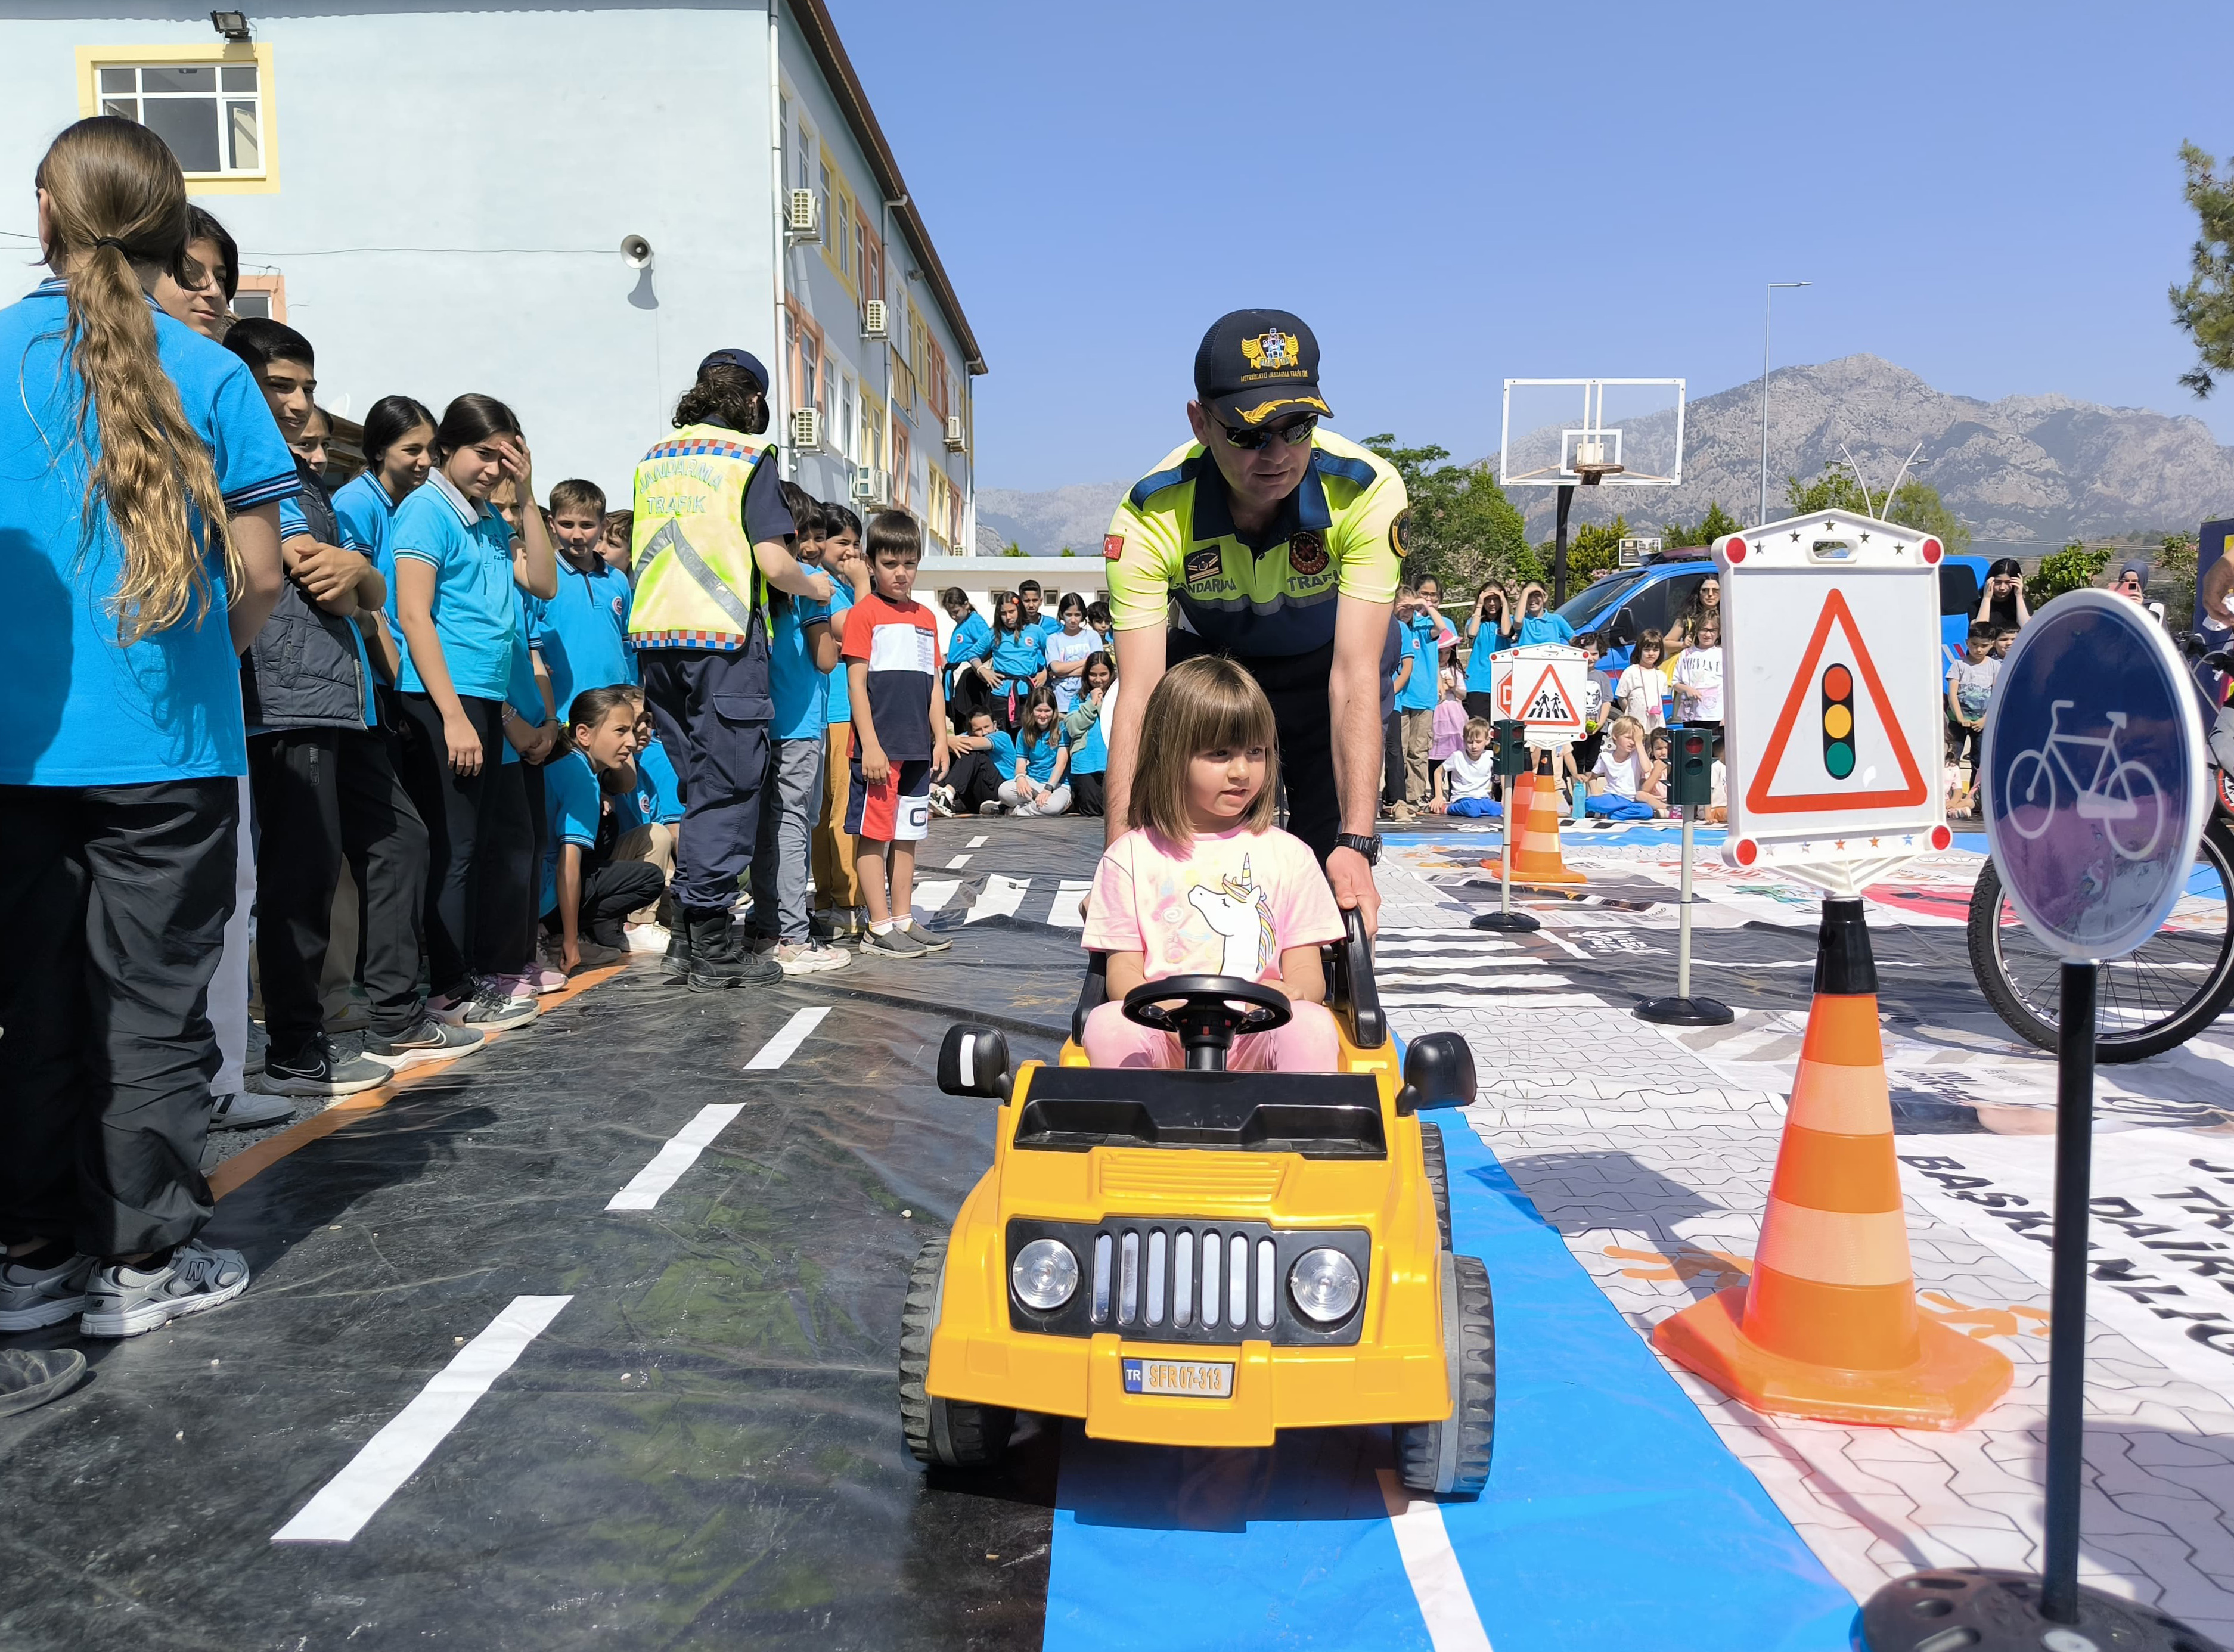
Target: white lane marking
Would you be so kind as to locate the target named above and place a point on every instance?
(1066, 913)
(677, 1155)
(345, 1503)
(978, 842)
(931, 895)
(1001, 897)
(788, 1038)
(957, 862)
(1424, 1544)
(1492, 1000)
(1389, 969)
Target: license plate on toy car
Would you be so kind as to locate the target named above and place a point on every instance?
(1187, 1379)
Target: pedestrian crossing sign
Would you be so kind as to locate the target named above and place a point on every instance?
(1831, 697)
(1543, 686)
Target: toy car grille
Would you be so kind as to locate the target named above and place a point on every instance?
(1164, 1280)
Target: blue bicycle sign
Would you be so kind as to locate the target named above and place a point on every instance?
(2095, 789)
(2119, 792)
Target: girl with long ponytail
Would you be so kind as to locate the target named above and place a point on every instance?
(139, 479)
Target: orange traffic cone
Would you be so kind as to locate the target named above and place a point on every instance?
(1535, 808)
(1828, 1327)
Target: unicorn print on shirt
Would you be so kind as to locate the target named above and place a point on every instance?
(1240, 913)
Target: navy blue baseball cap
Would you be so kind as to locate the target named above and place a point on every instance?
(743, 358)
(1258, 365)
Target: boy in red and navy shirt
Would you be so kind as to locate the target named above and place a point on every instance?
(900, 734)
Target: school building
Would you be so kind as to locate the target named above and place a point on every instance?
(564, 208)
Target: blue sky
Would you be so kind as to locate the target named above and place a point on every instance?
(1454, 194)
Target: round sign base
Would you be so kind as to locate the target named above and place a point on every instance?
(1999, 1611)
(1686, 1012)
(1517, 923)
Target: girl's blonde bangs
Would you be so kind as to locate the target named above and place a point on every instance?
(1208, 703)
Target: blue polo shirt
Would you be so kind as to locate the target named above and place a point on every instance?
(1037, 758)
(583, 635)
(1020, 656)
(1419, 692)
(363, 508)
(657, 797)
(799, 691)
(573, 807)
(476, 618)
(1487, 644)
(971, 641)
(521, 691)
(841, 697)
(1093, 755)
(84, 709)
(1544, 627)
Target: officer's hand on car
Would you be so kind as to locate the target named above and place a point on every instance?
(1351, 875)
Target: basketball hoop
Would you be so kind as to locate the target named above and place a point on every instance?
(1590, 463)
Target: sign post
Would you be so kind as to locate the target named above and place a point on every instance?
(1512, 762)
(1689, 786)
(2096, 793)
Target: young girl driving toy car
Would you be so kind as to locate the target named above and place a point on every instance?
(1205, 883)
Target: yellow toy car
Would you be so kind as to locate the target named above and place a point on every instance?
(1204, 1257)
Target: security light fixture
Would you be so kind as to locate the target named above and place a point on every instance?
(234, 25)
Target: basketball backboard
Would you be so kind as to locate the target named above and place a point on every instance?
(1610, 433)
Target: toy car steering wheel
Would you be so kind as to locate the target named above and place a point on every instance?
(1213, 1011)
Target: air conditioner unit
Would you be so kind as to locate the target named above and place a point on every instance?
(806, 428)
(875, 322)
(802, 217)
(870, 485)
(955, 442)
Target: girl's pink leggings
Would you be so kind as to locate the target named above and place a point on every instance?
(1307, 1044)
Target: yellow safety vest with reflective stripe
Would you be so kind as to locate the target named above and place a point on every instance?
(696, 582)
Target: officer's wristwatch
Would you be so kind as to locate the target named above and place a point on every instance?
(1370, 847)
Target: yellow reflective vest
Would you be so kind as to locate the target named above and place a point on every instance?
(696, 582)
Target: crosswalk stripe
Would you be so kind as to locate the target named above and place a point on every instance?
(933, 896)
(1065, 914)
(1001, 897)
(1492, 1001)
(1487, 983)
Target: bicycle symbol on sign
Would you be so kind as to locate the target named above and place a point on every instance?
(2123, 795)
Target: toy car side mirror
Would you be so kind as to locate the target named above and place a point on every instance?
(974, 1060)
(1438, 1072)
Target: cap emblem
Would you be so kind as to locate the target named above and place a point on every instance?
(1271, 351)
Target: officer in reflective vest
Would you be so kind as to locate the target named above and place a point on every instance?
(710, 526)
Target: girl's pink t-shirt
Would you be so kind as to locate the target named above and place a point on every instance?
(1223, 905)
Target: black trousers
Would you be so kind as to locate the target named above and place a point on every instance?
(970, 695)
(464, 849)
(712, 712)
(114, 901)
(1392, 759)
(1297, 686)
(538, 840)
(610, 892)
(1087, 796)
(322, 794)
(975, 780)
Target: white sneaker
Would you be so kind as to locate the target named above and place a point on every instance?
(1022, 811)
(31, 1298)
(810, 957)
(648, 937)
(125, 1301)
(250, 1112)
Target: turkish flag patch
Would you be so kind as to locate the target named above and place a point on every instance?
(1112, 546)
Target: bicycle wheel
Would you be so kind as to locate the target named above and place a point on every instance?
(2032, 794)
(2135, 839)
(2175, 984)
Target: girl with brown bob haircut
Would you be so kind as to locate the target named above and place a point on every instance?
(1204, 704)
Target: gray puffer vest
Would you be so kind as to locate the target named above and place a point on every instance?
(303, 671)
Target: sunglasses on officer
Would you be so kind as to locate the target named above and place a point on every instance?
(1250, 441)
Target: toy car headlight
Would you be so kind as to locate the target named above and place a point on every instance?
(1324, 1284)
(1044, 1274)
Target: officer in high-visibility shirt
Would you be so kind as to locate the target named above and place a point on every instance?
(1280, 543)
(707, 546)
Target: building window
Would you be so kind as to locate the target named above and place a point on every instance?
(262, 294)
(211, 115)
(900, 466)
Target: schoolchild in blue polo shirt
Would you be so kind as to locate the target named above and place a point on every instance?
(123, 746)
(533, 736)
(587, 888)
(398, 450)
(801, 651)
(838, 912)
(1033, 760)
(1032, 601)
(1017, 661)
(325, 785)
(1424, 631)
(454, 572)
(585, 627)
(1089, 749)
(970, 641)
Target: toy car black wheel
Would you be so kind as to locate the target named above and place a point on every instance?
(946, 1433)
(1451, 1458)
(1439, 1178)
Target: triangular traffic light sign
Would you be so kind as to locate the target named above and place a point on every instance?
(1546, 705)
(1760, 796)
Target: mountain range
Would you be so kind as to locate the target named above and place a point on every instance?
(2027, 472)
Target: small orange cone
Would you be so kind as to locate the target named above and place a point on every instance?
(1536, 859)
(1827, 1326)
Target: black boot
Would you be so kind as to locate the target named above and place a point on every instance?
(675, 968)
(718, 959)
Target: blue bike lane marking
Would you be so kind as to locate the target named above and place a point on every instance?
(1615, 1516)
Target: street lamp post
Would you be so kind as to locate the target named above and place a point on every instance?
(1767, 307)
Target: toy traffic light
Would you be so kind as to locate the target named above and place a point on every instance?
(1509, 739)
(1691, 767)
(1838, 723)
